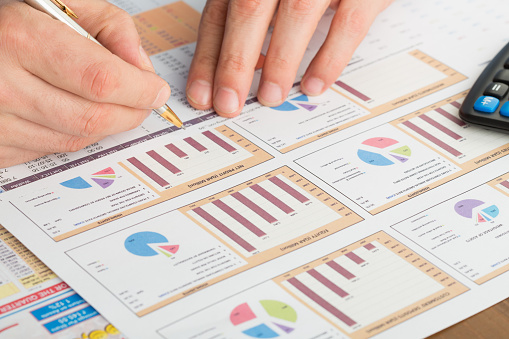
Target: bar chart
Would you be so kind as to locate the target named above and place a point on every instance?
(441, 128)
(269, 211)
(361, 286)
(194, 159)
(395, 79)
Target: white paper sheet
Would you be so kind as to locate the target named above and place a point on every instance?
(366, 211)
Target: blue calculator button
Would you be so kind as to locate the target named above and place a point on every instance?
(486, 104)
(505, 110)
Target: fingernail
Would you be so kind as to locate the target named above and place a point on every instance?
(270, 94)
(226, 100)
(313, 86)
(163, 96)
(147, 63)
(200, 92)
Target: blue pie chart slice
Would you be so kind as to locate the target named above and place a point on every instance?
(286, 107)
(374, 158)
(491, 211)
(138, 243)
(261, 331)
(77, 183)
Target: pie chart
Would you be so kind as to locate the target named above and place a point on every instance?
(302, 101)
(149, 244)
(104, 178)
(268, 319)
(382, 151)
(477, 210)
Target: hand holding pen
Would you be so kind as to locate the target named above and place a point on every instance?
(58, 91)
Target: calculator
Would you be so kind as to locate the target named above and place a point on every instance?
(487, 103)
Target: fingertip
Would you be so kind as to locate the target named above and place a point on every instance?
(312, 86)
(270, 94)
(226, 102)
(162, 97)
(199, 94)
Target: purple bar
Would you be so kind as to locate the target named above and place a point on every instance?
(451, 117)
(369, 246)
(225, 230)
(340, 269)
(505, 184)
(136, 141)
(431, 138)
(51, 172)
(148, 172)
(320, 301)
(330, 285)
(232, 213)
(440, 127)
(219, 141)
(19, 183)
(352, 91)
(199, 147)
(285, 187)
(281, 205)
(456, 104)
(79, 162)
(175, 150)
(355, 258)
(106, 152)
(161, 133)
(254, 207)
(194, 121)
(168, 165)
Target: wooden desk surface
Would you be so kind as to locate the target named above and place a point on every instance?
(490, 324)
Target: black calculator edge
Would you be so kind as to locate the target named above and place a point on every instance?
(467, 111)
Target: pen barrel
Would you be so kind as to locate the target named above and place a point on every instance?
(48, 7)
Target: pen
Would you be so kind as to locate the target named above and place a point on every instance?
(61, 12)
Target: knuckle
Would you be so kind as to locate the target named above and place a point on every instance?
(98, 81)
(234, 63)
(246, 8)
(91, 122)
(207, 61)
(214, 13)
(278, 62)
(298, 7)
(353, 21)
(73, 144)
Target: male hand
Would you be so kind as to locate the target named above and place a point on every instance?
(60, 91)
(230, 40)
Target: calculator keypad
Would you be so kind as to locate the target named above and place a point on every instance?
(487, 102)
(502, 76)
(504, 111)
(497, 90)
